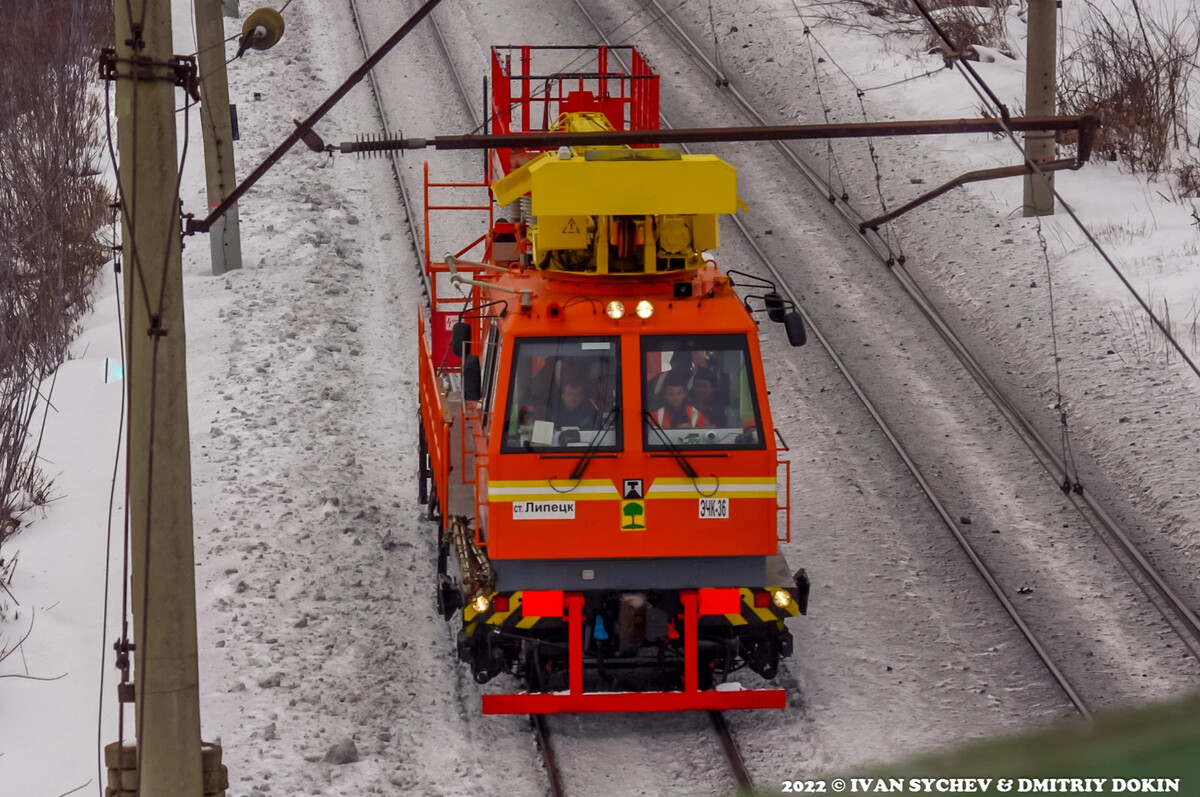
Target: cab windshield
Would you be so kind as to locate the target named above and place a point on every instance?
(563, 395)
(698, 392)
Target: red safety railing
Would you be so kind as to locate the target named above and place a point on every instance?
(786, 507)
(445, 306)
(530, 92)
(481, 502)
(435, 418)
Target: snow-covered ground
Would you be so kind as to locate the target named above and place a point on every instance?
(314, 568)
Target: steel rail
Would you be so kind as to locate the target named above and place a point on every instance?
(733, 753)
(418, 250)
(462, 89)
(1043, 655)
(541, 730)
(1174, 610)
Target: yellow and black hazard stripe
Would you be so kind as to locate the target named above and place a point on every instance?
(510, 619)
(758, 614)
(513, 619)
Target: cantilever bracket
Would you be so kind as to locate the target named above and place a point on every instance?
(970, 177)
(179, 71)
(1086, 131)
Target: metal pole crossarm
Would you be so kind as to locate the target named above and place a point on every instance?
(306, 126)
(1084, 124)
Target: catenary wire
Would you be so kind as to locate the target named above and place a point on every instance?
(112, 491)
(980, 87)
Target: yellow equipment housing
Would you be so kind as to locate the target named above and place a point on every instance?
(620, 210)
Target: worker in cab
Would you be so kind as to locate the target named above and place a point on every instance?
(676, 413)
(704, 397)
(573, 409)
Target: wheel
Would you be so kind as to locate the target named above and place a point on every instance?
(432, 509)
(533, 676)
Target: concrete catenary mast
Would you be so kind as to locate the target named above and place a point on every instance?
(216, 121)
(1041, 83)
(167, 704)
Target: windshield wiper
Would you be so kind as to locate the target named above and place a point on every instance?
(688, 470)
(590, 452)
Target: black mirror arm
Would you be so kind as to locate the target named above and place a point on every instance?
(766, 283)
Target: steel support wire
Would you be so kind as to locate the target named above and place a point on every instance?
(393, 155)
(980, 87)
(847, 212)
(305, 127)
(1052, 462)
(926, 487)
(1183, 612)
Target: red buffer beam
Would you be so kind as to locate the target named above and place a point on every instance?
(577, 701)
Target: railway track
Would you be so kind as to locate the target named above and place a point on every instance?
(1172, 606)
(939, 507)
(1175, 611)
(539, 723)
(541, 731)
(1180, 617)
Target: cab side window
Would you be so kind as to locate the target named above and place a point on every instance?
(491, 358)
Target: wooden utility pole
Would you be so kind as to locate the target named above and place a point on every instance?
(225, 235)
(1041, 83)
(166, 675)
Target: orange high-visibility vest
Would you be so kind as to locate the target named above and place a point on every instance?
(697, 420)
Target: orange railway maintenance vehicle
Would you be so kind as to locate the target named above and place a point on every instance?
(596, 442)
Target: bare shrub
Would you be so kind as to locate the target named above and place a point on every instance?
(52, 206)
(1133, 72)
(1187, 175)
(969, 26)
(1144, 341)
(965, 22)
